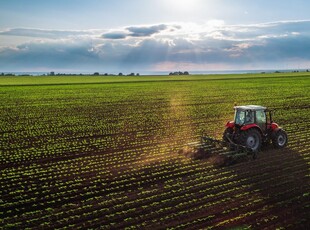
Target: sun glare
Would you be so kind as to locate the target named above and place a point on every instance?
(183, 5)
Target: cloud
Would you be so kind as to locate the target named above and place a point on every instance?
(114, 35)
(139, 31)
(163, 46)
(263, 30)
(40, 33)
(44, 55)
(146, 31)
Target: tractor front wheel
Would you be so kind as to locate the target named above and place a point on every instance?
(279, 139)
(252, 139)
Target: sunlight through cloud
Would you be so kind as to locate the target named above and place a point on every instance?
(212, 44)
(182, 5)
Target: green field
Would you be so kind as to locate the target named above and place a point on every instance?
(102, 152)
(69, 80)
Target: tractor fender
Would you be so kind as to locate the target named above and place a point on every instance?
(274, 131)
(252, 126)
(274, 127)
(230, 124)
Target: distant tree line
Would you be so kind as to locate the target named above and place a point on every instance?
(7, 74)
(94, 74)
(179, 73)
(130, 74)
(52, 73)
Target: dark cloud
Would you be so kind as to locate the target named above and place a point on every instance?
(114, 35)
(146, 31)
(142, 31)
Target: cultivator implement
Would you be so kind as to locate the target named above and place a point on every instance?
(218, 151)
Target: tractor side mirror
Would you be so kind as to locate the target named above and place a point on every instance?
(272, 113)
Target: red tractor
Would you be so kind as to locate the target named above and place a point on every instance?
(253, 126)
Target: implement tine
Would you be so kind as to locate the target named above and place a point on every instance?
(211, 147)
(230, 145)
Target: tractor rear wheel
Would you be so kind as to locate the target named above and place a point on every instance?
(252, 139)
(279, 139)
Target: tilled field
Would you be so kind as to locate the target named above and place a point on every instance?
(105, 155)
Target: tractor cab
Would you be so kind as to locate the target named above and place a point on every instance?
(247, 115)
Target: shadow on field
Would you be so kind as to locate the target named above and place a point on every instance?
(281, 179)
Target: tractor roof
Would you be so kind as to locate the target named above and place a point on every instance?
(250, 107)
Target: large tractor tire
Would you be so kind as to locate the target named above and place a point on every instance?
(279, 139)
(252, 139)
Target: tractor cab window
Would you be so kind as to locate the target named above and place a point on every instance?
(244, 117)
(260, 116)
(239, 117)
(249, 117)
(261, 119)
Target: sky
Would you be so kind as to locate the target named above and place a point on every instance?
(145, 36)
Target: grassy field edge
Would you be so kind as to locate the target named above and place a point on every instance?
(88, 79)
